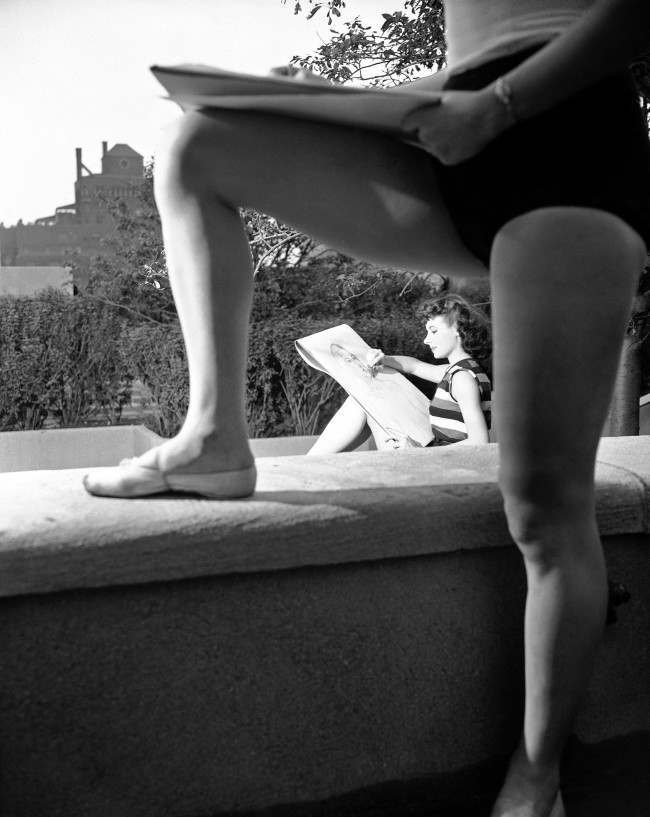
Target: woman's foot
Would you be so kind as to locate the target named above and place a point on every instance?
(528, 792)
(522, 806)
(558, 807)
(209, 464)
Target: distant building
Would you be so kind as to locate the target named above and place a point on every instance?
(28, 281)
(72, 234)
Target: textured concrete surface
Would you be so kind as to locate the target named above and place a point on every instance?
(107, 445)
(314, 511)
(72, 447)
(288, 446)
(350, 625)
(242, 691)
(606, 779)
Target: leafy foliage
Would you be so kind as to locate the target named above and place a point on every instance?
(156, 356)
(60, 358)
(407, 41)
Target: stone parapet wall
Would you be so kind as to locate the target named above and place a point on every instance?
(357, 621)
(23, 282)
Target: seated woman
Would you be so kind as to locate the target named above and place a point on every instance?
(460, 410)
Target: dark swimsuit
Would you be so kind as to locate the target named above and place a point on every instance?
(591, 150)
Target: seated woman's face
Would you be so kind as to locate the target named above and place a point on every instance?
(441, 336)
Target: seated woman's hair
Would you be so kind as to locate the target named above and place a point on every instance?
(472, 323)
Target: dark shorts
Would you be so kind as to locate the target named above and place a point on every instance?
(592, 150)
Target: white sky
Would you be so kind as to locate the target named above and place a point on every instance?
(75, 73)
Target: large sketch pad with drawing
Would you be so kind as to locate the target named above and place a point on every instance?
(199, 86)
(400, 408)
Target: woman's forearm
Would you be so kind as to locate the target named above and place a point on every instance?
(403, 363)
(605, 39)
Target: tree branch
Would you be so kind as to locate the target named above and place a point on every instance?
(123, 306)
(272, 251)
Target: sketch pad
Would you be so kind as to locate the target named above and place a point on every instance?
(387, 396)
(197, 86)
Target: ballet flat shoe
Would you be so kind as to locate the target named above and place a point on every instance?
(129, 480)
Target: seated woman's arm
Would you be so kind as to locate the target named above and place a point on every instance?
(467, 395)
(411, 365)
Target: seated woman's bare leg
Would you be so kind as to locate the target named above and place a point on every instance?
(358, 192)
(384, 441)
(347, 429)
(562, 284)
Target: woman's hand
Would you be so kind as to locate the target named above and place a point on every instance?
(299, 74)
(374, 360)
(460, 126)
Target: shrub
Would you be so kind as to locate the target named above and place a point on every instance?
(60, 357)
(156, 355)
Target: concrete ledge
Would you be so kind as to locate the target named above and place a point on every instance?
(288, 446)
(91, 447)
(316, 511)
(73, 447)
(350, 624)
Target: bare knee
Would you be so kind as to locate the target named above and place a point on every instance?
(187, 160)
(550, 515)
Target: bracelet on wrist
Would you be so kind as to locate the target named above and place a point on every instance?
(503, 93)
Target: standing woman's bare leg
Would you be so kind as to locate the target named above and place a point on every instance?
(562, 283)
(359, 192)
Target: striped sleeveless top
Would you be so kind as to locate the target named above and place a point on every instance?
(444, 412)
